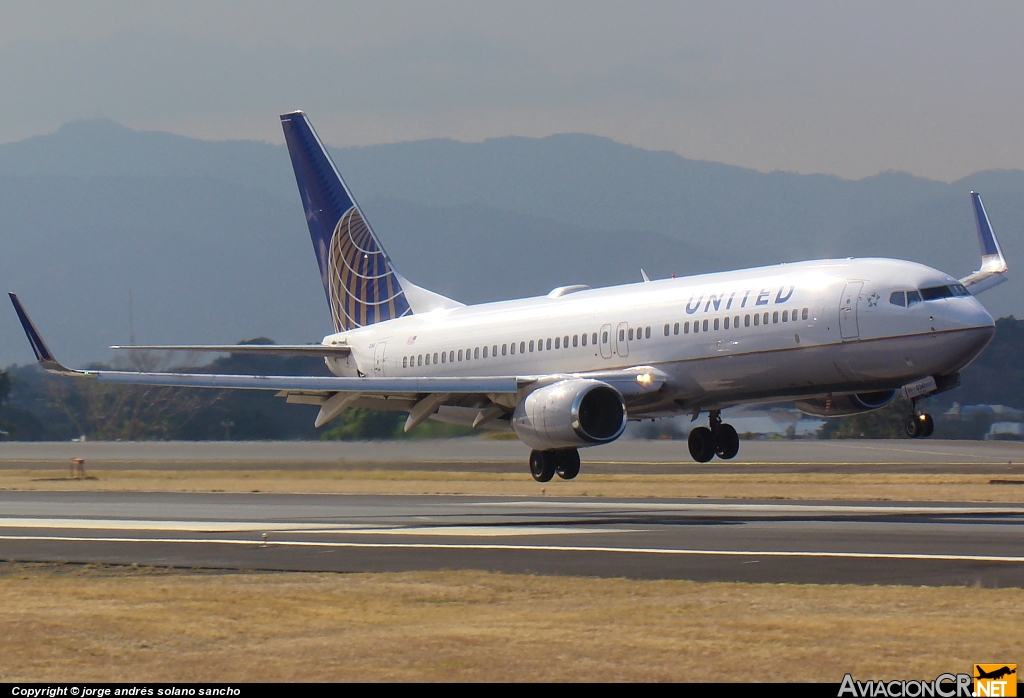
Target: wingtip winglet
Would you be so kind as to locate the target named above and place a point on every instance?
(993, 264)
(43, 354)
(986, 238)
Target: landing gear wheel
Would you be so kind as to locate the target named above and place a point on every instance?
(727, 442)
(702, 444)
(568, 463)
(913, 426)
(542, 465)
(927, 425)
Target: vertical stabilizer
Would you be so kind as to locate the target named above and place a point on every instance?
(360, 282)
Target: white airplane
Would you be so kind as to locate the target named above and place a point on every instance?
(568, 370)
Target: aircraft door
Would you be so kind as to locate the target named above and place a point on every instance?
(622, 339)
(848, 327)
(604, 337)
(378, 359)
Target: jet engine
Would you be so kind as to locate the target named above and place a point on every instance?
(845, 405)
(570, 414)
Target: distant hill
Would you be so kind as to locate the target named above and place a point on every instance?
(211, 240)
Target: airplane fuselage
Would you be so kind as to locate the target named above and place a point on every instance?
(768, 333)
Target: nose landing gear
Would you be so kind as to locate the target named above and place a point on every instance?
(720, 439)
(919, 425)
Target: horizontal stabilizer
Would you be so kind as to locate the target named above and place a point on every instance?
(993, 265)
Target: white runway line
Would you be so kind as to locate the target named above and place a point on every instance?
(190, 526)
(759, 508)
(537, 548)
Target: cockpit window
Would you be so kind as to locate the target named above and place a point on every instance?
(936, 292)
(898, 298)
(913, 297)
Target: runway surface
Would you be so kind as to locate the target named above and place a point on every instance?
(487, 455)
(807, 542)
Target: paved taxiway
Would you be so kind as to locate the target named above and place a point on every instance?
(806, 542)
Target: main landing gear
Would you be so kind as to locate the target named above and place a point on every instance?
(719, 440)
(919, 425)
(545, 464)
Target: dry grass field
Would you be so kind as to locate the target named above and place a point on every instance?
(73, 623)
(755, 485)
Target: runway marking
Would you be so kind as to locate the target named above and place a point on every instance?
(308, 528)
(779, 508)
(487, 531)
(194, 526)
(537, 548)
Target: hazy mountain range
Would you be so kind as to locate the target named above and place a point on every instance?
(210, 238)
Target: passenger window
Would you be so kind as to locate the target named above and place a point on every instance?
(803, 315)
(647, 332)
(736, 322)
(623, 332)
(565, 342)
(716, 323)
(584, 340)
(605, 338)
(775, 316)
(705, 327)
(540, 345)
(785, 316)
(764, 319)
(426, 360)
(726, 323)
(476, 353)
(460, 355)
(757, 320)
(686, 327)
(746, 321)
(485, 352)
(666, 329)
(513, 348)
(575, 343)
(419, 360)
(593, 338)
(558, 342)
(696, 326)
(913, 297)
(531, 345)
(898, 298)
(675, 329)
(444, 357)
(405, 362)
(504, 349)
(435, 357)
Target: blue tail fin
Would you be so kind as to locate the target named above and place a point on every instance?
(361, 284)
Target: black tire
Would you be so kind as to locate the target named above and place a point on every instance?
(927, 426)
(568, 463)
(912, 426)
(702, 444)
(727, 442)
(542, 465)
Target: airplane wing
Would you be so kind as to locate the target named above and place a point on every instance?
(993, 265)
(325, 350)
(420, 396)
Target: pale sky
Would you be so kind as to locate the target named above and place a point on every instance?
(855, 88)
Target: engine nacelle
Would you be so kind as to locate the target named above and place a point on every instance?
(570, 414)
(845, 405)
